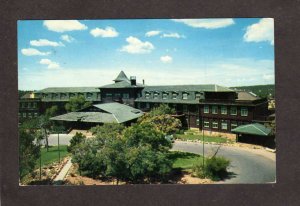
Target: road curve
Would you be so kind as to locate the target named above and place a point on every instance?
(247, 165)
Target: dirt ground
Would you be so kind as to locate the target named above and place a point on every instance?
(75, 179)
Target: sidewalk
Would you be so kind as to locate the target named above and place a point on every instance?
(60, 177)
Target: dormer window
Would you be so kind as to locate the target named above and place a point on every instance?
(198, 95)
(89, 95)
(165, 95)
(72, 95)
(156, 95)
(185, 95)
(147, 95)
(63, 96)
(174, 95)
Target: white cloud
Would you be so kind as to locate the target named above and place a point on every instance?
(136, 46)
(33, 52)
(67, 38)
(230, 72)
(206, 23)
(268, 77)
(50, 64)
(107, 32)
(172, 35)
(261, 31)
(64, 25)
(45, 42)
(152, 33)
(166, 59)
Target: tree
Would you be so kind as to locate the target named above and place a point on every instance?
(134, 154)
(52, 111)
(162, 109)
(76, 140)
(77, 103)
(29, 150)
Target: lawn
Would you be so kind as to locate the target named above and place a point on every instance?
(52, 155)
(199, 137)
(184, 160)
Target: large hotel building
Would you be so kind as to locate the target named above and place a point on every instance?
(210, 107)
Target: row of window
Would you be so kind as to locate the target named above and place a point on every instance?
(28, 105)
(28, 114)
(117, 95)
(67, 95)
(173, 95)
(232, 110)
(214, 124)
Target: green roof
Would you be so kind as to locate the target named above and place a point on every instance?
(168, 101)
(69, 90)
(121, 77)
(254, 129)
(122, 84)
(108, 113)
(199, 87)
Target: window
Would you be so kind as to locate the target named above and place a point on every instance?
(197, 121)
(29, 104)
(147, 95)
(185, 108)
(19, 114)
(63, 96)
(165, 95)
(89, 95)
(29, 115)
(35, 114)
(24, 115)
(224, 125)
(22, 104)
(244, 111)
(206, 109)
(198, 95)
(34, 104)
(184, 95)
(233, 111)
(147, 105)
(126, 95)
(174, 95)
(206, 124)
(156, 95)
(233, 125)
(138, 105)
(215, 125)
(72, 95)
(223, 110)
(108, 95)
(117, 95)
(214, 109)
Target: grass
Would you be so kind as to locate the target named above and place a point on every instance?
(52, 155)
(199, 137)
(184, 160)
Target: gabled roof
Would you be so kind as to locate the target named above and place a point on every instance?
(254, 129)
(121, 112)
(182, 88)
(109, 113)
(242, 95)
(68, 90)
(121, 77)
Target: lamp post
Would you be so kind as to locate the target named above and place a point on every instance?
(202, 141)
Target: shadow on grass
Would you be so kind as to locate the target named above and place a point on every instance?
(183, 155)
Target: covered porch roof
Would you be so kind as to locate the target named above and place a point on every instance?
(253, 129)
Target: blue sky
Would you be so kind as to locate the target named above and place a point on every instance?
(229, 52)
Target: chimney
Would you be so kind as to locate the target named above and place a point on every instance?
(143, 82)
(133, 80)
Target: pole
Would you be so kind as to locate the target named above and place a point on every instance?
(203, 141)
(40, 164)
(58, 146)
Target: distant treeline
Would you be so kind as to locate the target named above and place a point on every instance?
(263, 91)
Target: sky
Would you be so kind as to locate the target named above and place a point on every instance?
(65, 53)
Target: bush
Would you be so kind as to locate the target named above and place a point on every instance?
(214, 168)
(76, 139)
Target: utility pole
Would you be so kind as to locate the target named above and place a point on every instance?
(203, 141)
(58, 146)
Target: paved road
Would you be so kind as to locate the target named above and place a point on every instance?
(248, 166)
(64, 139)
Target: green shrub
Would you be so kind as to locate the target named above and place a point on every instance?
(76, 139)
(214, 168)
